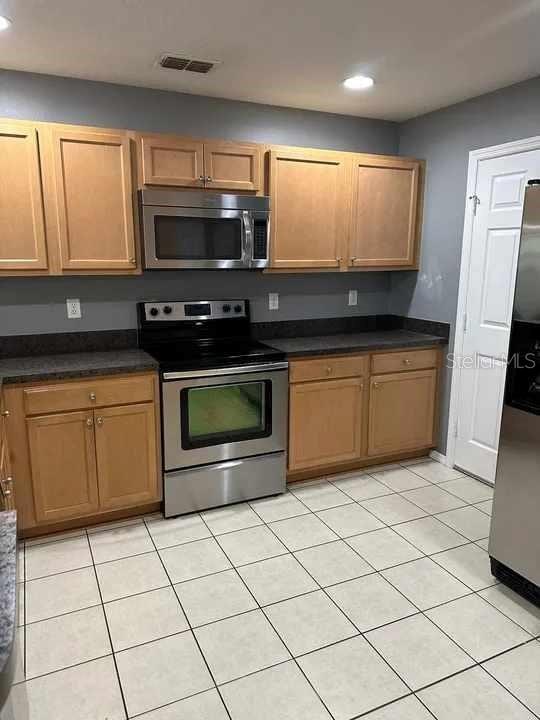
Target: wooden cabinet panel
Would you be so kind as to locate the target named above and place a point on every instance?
(22, 224)
(308, 191)
(62, 455)
(384, 211)
(126, 455)
(328, 367)
(404, 360)
(401, 411)
(88, 394)
(325, 423)
(230, 166)
(175, 161)
(6, 479)
(93, 200)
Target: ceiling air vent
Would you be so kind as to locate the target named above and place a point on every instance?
(178, 63)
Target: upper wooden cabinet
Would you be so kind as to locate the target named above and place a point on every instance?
(308, 190)
(172, 161)
(93, 199)
(23, 245)
(385, 198)
(184, 162)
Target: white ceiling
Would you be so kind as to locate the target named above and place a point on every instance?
(423, 54)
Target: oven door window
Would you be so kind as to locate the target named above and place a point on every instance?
(218, 414)
(197, 238)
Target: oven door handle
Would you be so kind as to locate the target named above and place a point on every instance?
(238, 370)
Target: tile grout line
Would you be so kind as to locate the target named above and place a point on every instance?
(124, 703)
(292, 658)
(211, 674)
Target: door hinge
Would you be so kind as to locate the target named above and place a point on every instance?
(476, 202)
(456, 428)
(465, 322)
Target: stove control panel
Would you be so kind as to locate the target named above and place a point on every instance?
(195, 310)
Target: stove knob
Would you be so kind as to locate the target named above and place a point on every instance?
(167, 309)
(154, 311)
(226, 308)
(237, 308)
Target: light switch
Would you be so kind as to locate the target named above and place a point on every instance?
(273, 301)
(353, 297)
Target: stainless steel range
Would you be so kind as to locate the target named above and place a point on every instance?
(224, 403)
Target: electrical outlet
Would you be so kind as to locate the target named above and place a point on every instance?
(353, 297)
(73, 308)
(273, 301)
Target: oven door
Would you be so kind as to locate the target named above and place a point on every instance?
(196, 238)
(215, 415)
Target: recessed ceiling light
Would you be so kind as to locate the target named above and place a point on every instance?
(358, 82)
(4, 22)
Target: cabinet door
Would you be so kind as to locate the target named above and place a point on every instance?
(325, 422)
(309, 197)
(230, 166)
(22, 226)
(401, 411)
(126, 456)
(172, 161)
(384, 212)
(93, 200)
(63, 459)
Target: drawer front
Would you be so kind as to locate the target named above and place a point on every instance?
(405, 360)
(328, 367)
(88, 394)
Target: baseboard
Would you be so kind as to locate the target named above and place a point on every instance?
(439, 457)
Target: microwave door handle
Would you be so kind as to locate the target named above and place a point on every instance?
(247, 238)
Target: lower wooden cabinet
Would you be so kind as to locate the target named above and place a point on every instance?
(84, 448)
(63, 462)
(401, 411)
(341, 417)
(325, 422)
(126, 455)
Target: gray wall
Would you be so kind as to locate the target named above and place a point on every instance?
(444, 138)
(30, 305)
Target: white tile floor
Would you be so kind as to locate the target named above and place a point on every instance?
(362, 595)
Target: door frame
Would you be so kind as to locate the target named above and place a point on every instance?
(475, 157)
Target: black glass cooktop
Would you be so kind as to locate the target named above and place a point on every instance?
(212, 353)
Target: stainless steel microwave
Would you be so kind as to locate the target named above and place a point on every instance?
(183, 229)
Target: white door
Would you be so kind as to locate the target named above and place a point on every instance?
(500, 189)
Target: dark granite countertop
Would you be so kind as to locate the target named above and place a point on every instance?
(74, 365)
(8, 595)
(354, 342)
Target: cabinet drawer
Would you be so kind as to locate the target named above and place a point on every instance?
(328, 367)
(406, 360)
(88, 394)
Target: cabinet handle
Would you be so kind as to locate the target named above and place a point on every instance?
(328, 370)
(338, 259)
(352, 260)
(375, 385)
(208, 178)
(7, 486)
(406, 361)
(5, 413)
(361, 387)
(201, 178)
(92, 396)
(99, 421)
(132, 260)
(89, 422)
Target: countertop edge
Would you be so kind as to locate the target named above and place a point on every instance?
(371, 346)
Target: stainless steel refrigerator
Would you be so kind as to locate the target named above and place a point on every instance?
(514, 543)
